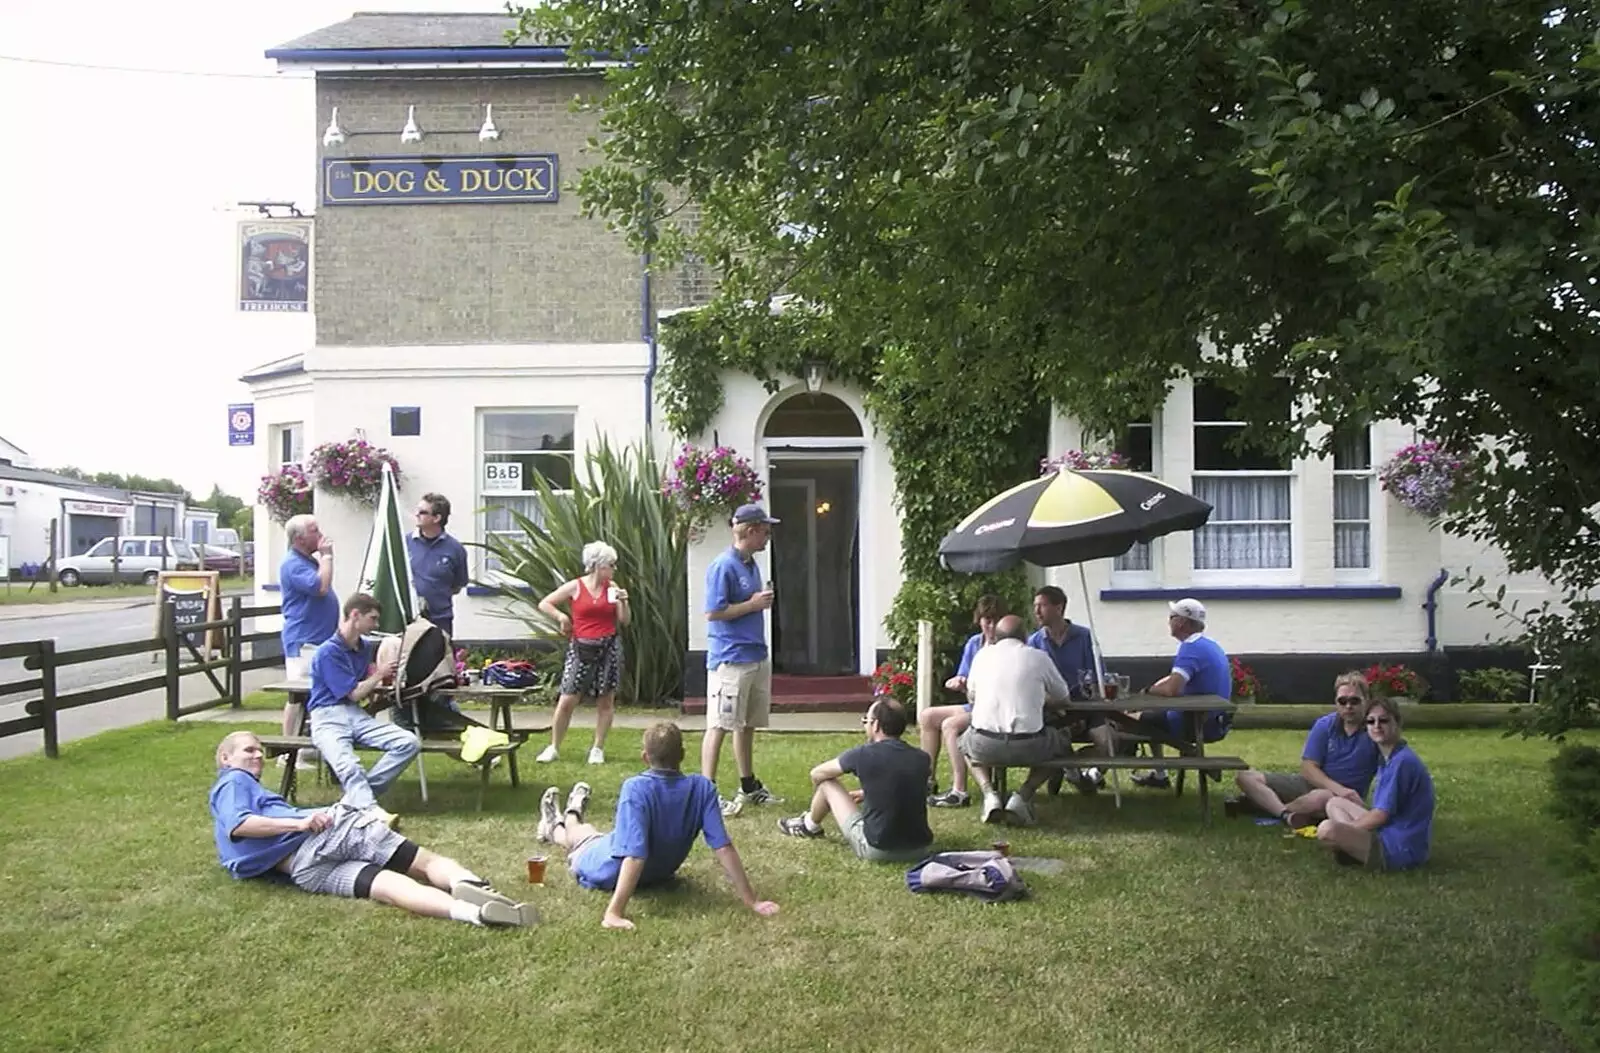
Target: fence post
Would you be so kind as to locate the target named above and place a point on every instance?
(169, 632)
(236, 652)
(924, 664)
(47, 697)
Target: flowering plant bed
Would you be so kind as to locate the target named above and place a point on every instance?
(1246, 685)
(352, 468)
(1423, 477)
(1394, 681)
(893, 682)
(709, 484)
(1083, 461)
(286, 493)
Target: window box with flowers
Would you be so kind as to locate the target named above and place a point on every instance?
(709, 484)
(1424, 477)
(352, 469)
(285, 493)
(891, 681)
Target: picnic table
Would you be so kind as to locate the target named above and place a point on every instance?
(1189, 745)
(299, 692)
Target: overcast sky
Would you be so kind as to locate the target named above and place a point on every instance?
(120, 342)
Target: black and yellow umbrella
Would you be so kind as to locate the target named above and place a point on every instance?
(1069, 517)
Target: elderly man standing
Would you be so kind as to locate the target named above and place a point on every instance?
(1200, 667)
(1009, 685)
(438, 562)
(310, 610)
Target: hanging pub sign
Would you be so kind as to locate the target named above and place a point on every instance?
(424, 180)
(275, 265)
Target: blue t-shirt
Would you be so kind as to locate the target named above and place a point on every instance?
(336, 670)
(235, 796)
(659, 814)
(1206, 671)
(438, 571)
(1405, 791)
(1073, 657)
(309, 617)
(973, 645)
(731, 579)
(1349, 760)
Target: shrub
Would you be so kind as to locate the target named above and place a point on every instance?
(1394, 681)
(617, 498)
(1567, 976)
(1493, 685)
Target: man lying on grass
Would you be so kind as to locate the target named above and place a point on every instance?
(340, 850)
(659, 813)
(891, 826)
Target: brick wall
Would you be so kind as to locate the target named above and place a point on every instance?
(469, 273)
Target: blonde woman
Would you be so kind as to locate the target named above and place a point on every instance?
(593, 666)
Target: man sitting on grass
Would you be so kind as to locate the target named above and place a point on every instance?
(891, 826)
(1396, 833)
(1339, 760)
(338, 851)
(659, 814)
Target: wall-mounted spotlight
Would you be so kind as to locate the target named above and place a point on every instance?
(411, 133)
(334, 136)
(488, 132)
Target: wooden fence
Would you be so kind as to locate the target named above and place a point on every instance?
(184, 657)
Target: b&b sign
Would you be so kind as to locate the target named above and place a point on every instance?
(502, 476)
(420, 181)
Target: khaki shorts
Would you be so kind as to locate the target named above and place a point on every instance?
(739, 695)
(298, 667)
(1286, 786)
(856, 834)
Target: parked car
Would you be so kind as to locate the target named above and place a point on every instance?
(142, 558)
(225, 560)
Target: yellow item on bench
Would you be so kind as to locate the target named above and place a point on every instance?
(476, 741)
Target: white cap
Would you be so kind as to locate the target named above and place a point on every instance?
(1189, 608)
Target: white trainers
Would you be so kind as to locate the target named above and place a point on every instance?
(597, 755)
(549, 814)
(578, 800)
(993, 809)
(732, 806)
(1020, 810)
(546, 755)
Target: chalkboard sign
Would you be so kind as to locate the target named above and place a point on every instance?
(194, 599)
(189, 609)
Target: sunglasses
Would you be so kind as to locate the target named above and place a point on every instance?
(1349, 700)
(1373, 722)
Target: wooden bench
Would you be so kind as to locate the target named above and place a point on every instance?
(274, 745)
(1212, 766)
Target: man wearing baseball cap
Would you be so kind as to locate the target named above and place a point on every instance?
(738, 666)
(1199, 668)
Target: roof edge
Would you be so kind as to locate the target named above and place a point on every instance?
(509, 53)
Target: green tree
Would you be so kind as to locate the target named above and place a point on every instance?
(1392, 206)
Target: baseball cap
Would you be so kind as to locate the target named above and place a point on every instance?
(1189, 608)
(752, 514)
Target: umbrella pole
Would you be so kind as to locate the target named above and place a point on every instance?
(1094, 637)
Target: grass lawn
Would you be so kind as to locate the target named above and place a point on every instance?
(122, 933)
(18, 592)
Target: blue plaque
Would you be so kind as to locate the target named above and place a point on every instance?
(242, 424)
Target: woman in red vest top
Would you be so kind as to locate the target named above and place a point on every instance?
(593, 665)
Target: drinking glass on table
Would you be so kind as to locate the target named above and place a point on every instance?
(1111, 685)
(1087, 683)
(1124, 684)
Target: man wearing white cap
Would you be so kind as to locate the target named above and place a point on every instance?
(1199, 668)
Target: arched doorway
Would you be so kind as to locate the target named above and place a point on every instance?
(813, 442)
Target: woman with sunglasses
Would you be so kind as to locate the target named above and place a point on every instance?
(1397, 831)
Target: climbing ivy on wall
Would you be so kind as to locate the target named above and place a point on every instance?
(959, 429)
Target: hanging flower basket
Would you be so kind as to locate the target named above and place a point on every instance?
(1423, 477)
(1083, 461)
(286, 493)
(708, 484)
(352, 469)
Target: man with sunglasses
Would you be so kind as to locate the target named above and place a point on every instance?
(1396, 833)
(1339, 760)
(891, 826)
(438, 562)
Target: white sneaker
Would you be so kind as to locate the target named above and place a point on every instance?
(549, 814)
(993, 809)
(732, 806)
(597, 755)
(578, 801)
(1020, 810)
(546, 755)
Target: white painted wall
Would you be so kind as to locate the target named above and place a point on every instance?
(345, 389)
(747, 405)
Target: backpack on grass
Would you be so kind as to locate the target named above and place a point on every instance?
(987, 874)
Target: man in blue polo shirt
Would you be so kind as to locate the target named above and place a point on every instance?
(339, 680)
(1200, 667)
(1071, 648)
(1339, 760)
(1396, 833)
(310, 610)
(659, 814)
(738, 668)
(438, 562)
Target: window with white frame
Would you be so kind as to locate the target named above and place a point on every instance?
(1353, 480)
(1137, 445)
(1250, 489)
(288, 443)
(516, 444)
